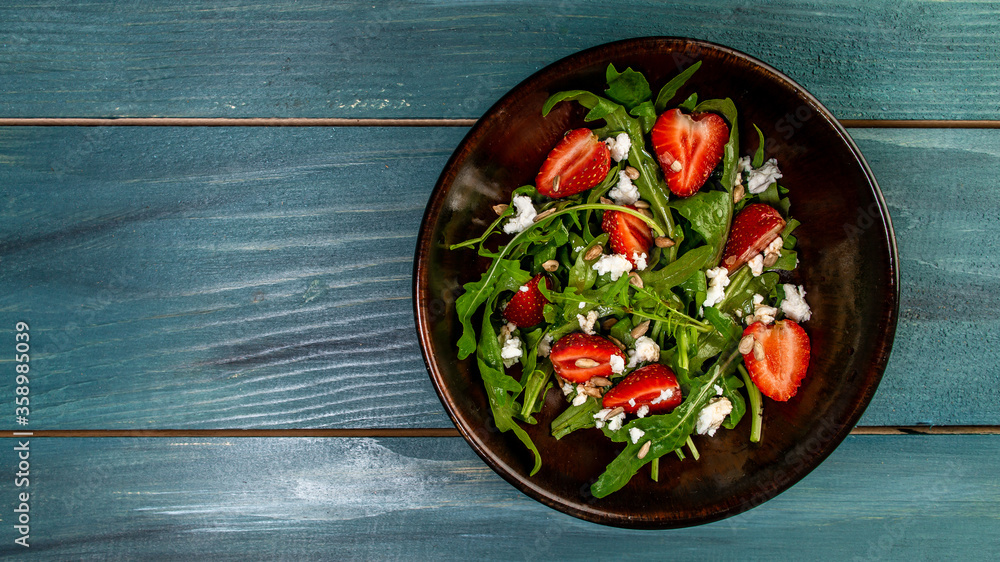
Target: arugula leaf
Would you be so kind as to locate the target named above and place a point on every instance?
(669, 90)
(628, 88)
(575, 417)
(675, 273)
(689, 104)
(758, 157)
(646, 115)
(503, 275)
(710, 213)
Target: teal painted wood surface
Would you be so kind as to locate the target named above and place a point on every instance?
(890, 59)
(875, 498)
(260, 278)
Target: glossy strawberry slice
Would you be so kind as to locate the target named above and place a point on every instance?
(753, 229)
(579, 162)
(688, 148)
(525, 307)
(784, 358)
(654, 386)
(629, 235)
(578, 357)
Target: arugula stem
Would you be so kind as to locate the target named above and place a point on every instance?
(654, 469)
(692, 448)
(756, 406)
(533, 389)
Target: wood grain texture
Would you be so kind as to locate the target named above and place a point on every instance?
(187, 58)
(209, 278)
(403, 499)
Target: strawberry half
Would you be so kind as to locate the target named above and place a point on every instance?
(570, 350)
(753, 229)
(785, 360)
(654, 386)
(525, 307)
(688, 148)
(579, 162)
(628, 234)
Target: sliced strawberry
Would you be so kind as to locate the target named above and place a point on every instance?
(688, 148)
(784, 361)
(568, 352)
(630, 235)
(579, 162)
(753, 229)
(654, 386)
(525, 307)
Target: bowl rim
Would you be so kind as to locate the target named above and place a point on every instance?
(880, 354)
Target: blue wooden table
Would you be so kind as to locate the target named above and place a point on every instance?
(207, 220)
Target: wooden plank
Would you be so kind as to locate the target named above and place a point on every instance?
(188, 58)
(876, 497)
(260, 278)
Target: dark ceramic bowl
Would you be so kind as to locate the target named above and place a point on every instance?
(848, 266)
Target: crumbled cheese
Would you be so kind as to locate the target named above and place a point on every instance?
(646, 351)
(580, 397)
(710, 418)
(665, 394)
(598, 423)
(640, 260)
(742, 166)
(618, 146)
(631, 402)
(774, 247)
(794, 305)
(635, 434)
(568, 388)
(587, 322)
(718, 389)
(718, 279)
(599, 417)
(762, 177)
(582, 305)
(617, 364)
(642, 411)
(761, 312)
(615, 423)
(511, 351)
(615, 264)
(756, 264)
(525, 215)
(625, 193)
(545, 346)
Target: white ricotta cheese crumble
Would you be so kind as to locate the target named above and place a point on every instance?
(524, 217)
(617, 364)
(635, 434)
(794, 305)
(619, 146)
(761, 311)
(756, 265)
(774, 247)
(615, 264)
(587, 322)
(646, 351)
(762, 177)
(615, 423)
(640, 260)
(599, 417)
(580, 397)
(665, 394)
(710, 418)
(718, 279)
(511, 351)
(545, 346)
(642, 411)
(625, 193)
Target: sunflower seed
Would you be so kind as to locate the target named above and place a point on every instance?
(544, 215)
(645, 212)
(738, 193)
(606, 201)
(770, 260)
(631, 173)
(594, 253)
(599, 381)
(746, 344)
(615, 341)
(663, 242)
(550, 265)
(758, 351)
(640, 204)
(640, 330)
(591, 391)
(607, 323)
(613, 413)
(555, 184)
(586, 363)
(500, 208)
(645, 449)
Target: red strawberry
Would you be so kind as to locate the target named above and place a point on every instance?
(525, 307)
(688, 147)
(644, 387)
(784, 361)
(753, 229)
(629, 234)
(579, 346)
(579, 162)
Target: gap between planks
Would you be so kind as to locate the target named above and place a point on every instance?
(341, 122)
(425, 432)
